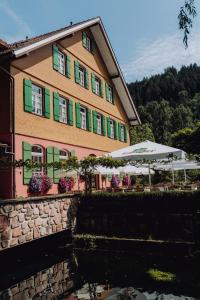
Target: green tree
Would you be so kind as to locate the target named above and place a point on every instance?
(182, 117)
(141, 133)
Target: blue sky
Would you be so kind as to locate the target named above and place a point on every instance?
(144, 33)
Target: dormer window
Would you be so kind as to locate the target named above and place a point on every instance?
(87, 42)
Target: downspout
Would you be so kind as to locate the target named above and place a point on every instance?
(12, 115)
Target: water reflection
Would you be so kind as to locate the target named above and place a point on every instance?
(98, 275)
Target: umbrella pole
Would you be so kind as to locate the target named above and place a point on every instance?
(173, 181)
(149, 175)
(185, 175)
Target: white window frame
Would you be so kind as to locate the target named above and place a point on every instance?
(81, 72)
(99, 124)
(37, 100)
(110, 94)
(83, 117)
(122, 133)
(63, 157)
(97, 85)
(112, 129)
(61, 63)
(63, 110)
(88, 43)
(37, 157)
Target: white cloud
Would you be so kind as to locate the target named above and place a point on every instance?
(22, 29)
(160, 54)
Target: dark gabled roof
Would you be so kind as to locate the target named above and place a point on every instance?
(102, 41)
(22, 43)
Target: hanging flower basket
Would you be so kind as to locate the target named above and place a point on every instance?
(66, 184)
(39, 184)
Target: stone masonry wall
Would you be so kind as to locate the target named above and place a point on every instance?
(47, 284)
(25, 220)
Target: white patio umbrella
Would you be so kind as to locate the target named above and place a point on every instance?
(132, 170)
(179, 165)
(148, 150)
(105, 171)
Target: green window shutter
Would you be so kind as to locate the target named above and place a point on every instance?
(71, 117)
(104, 125)
(68, 66)
(101, 88)
(78, 117)
(56, 158)
(93, 82)
(116, 130)
(55, 57)
(49, 155)
(125, 134)
(56, 110)
(93, 50)
(86, 79)
(73, 153)
(27, 173)
(107, 92)
(119, 131)
(89, 127)
(47, 103)
(27, 95)
(76, 71)
(113, 96)
(94, 116)
(84, 39)
(108, 126)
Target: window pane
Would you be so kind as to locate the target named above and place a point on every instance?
(61, 62)
(99, 125)
(63, 110)
(122, 133)
(97, 86)
(112, 133)
(37, 157)
(36, 100)
(82, 76)
(83, 117)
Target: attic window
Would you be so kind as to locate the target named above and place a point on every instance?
(87, 42)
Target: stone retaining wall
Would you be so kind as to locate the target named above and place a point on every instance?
(25, 220)
(47, 284)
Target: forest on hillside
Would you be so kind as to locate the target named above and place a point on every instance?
(168, 104)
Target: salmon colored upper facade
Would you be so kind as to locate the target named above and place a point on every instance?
(37, 69)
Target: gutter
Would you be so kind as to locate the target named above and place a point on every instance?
(12, 116)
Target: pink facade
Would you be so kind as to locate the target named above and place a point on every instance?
(21, 189)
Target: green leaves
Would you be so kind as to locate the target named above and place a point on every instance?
(186, 14)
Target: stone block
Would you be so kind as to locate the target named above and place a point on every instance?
(29, 212)
(13, 213)
(38, 222)
(52, 212)
(27, 205)
(6, 235)
(43, 231)
(64, 225)
(14, 222)
(26, 230)
(46, 209)
(24, 225)
(14, 289)
(36, 211)
(22, 239)
(18, 206)
(58, 227)
(36, 233)
(16, 232)
(14, 242)
(29, 236)
(57, 219)
(21, 218)
(44, 216)
(31, 223)
(5, 244)
(54, 228)
(8, 208)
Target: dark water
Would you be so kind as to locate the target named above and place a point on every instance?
(53, 270)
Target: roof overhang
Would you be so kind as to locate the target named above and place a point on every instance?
(97, 28)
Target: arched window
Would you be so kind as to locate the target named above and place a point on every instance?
(37, 156)
(92, 155)
(63, 154)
